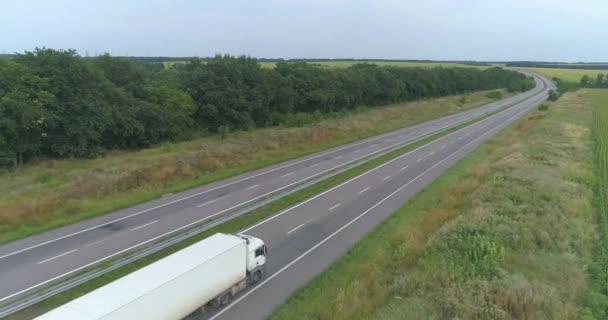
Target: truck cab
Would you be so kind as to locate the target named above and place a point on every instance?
(256, 258)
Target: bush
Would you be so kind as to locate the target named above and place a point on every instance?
(494, 95)
(553, 95)
(543, 107)
(299, 119)
(223, 130)
(462, 100)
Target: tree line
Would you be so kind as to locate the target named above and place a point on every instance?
(54, 103)
(600, 81)
(558, 65)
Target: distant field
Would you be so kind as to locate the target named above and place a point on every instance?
(565, 74)
(344, 64)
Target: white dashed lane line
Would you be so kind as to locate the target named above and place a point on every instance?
(57, 256)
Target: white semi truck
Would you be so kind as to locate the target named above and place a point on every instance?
(179, 286)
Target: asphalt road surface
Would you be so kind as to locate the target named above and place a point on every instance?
(305, 239)
(302, 240)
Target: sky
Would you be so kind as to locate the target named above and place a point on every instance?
(489, 30)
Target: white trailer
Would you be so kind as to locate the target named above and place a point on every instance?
(178, 286)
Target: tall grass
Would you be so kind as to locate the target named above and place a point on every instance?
(52, 193)
(596, 306)
(504, 234)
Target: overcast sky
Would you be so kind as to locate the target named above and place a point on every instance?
(555, 30)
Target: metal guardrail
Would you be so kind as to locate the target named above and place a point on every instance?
(60, 285)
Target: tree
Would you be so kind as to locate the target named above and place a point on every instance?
(599, 80)
(23, 111)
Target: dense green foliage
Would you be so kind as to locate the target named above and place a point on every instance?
(600, 81)
(56, 103)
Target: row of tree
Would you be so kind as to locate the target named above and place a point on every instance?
(600, 81)
(55, 103)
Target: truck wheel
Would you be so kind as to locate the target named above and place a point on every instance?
(257, 276)
(225, 299)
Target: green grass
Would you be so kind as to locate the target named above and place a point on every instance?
(573, 75)
(52, 193)
(596, 306)
(231, 226)
(506, 233)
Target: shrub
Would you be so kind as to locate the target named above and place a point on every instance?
(223, 130)
(543, 107)
(553, 95)
(494, 95)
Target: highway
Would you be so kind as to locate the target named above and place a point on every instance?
(302, 240)
(305, 239)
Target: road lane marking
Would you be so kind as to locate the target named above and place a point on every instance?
(525, 97)
(314, 165)
(208, 202)
(360, 192)
(145, 225)
(296, 228)
(386, 178)
(287, 175)
(166, 195)
(426, 156)
(335, 206)
(245, 230)
(356, 151)
(307, 252)
(253, 186)
(403, 168)
(57, 256)
(443, 147)
(338, 157)
(102, 240)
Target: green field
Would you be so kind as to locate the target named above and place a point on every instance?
(507, 233)
(344, 64)
(574, 75)
(51, 193)
(597, 300)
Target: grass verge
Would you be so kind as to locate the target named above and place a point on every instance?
(231, 226)
(506, 233)
(596, 304)
(50, 194)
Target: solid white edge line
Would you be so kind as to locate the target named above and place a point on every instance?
(253, 289)
(245, 230)
(144, 225)
(57, 256)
